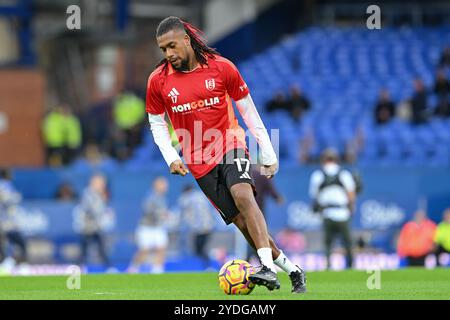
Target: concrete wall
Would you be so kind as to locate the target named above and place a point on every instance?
(21, 111)
(222, 17)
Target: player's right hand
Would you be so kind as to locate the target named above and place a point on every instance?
(177, 167)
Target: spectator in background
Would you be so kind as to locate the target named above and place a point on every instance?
(54, 137)
(151, 234)
(298, 103)
(442, 237)
(419, 103)
(354, 146)
(306, 145)
(62, 135)
(442, 85)
(93, 217)
(442, 109)
(416, 239)
(442, 89)
(385, 109)
(9, 229)
(333, 191)
(264, 188)
(96, 123)
(277, 103)
(129, 116)
(118, 148)
(197, 216)
(72, 135)
(65, 192)
(444, 61)
(404, 110)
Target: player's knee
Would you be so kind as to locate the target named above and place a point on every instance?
(242, 198)
(243, 203)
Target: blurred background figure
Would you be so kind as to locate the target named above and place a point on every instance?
(444, 61)
(10, 234)
(72, 135)
(442, 109)
(298, 104)
(129, 117)
(416, 237)
(53, 136)
(151, 235)
(277, 103)
(196, 215)
(62, 135)
(66, 192)
(442, 237)
(385, 108)
(419, 106)
(118, 146)
(93, 218)
(333, 191)
(441, 85)
(265, 188)
(94, 159)
(306, 144)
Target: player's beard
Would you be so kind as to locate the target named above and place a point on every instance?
(184, 66)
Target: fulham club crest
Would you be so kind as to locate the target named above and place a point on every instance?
(210, 84)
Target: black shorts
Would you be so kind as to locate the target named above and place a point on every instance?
(216, 184)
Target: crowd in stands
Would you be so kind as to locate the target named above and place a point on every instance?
(296, 104)
(418, 109)
(425, 104)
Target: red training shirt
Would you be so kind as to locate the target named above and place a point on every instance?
(199, 106)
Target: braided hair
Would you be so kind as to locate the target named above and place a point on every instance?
(198, 43)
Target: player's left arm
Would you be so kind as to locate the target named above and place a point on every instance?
(251, 117)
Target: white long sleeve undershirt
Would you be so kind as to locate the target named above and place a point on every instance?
(162, 139)
(254, 123)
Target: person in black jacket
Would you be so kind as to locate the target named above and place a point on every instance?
(385, 109)
(278, 102)
(419, 103)
(298, 103)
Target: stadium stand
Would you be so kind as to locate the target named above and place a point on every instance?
(342, 71)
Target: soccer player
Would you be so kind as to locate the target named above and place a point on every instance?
(194, 86)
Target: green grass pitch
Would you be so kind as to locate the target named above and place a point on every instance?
(400, 284)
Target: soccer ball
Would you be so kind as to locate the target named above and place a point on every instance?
(233, 277)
